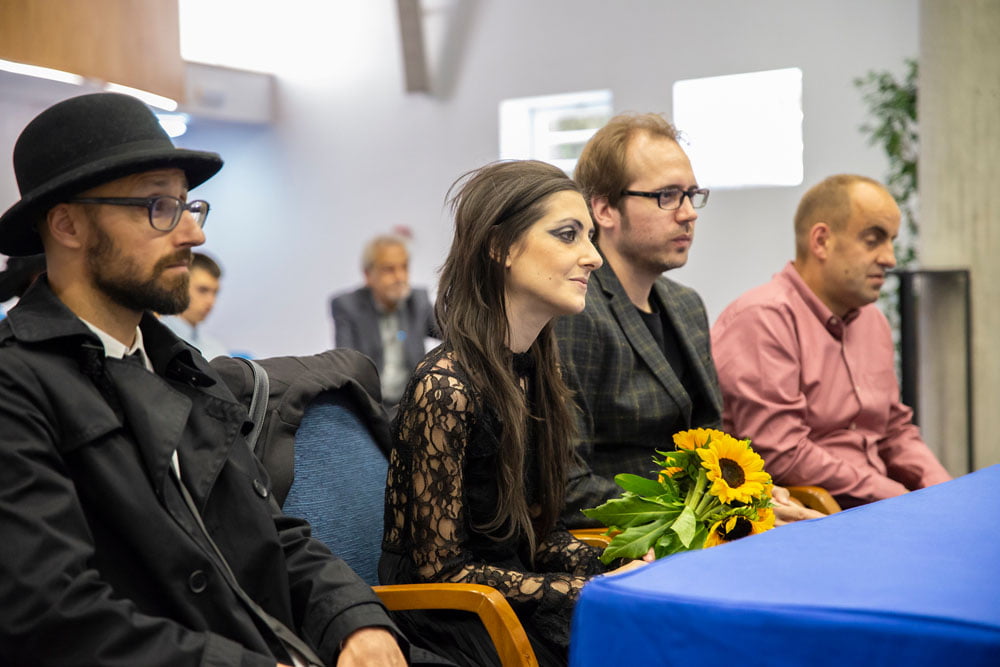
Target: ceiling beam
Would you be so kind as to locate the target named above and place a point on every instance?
(411, 32)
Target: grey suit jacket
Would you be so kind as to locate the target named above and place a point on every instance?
(355, 321)
(629, 398)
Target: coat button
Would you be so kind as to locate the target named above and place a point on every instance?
(259, 488)
(198, 581)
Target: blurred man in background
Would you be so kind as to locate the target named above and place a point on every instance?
(206, 275)
(386, 319)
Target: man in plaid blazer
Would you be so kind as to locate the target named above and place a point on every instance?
(638, 357)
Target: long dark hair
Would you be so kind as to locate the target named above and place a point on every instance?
(493, 207)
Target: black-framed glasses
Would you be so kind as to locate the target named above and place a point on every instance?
(673, 198)
(164, 211)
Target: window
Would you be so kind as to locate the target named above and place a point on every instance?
(742, 129)
(552, 128)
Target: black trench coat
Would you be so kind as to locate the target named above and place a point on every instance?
(101, 562)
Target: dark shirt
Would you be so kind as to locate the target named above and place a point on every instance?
(665, 334)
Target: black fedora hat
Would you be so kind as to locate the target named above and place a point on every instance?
(81, 143)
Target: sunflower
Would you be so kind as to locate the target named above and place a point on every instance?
(735, 470)
(764, 522)
(734, 527)
(697, 437)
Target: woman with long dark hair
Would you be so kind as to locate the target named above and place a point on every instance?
(483, 434)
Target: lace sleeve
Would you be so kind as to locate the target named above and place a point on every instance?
(434, 428)
(561, 552)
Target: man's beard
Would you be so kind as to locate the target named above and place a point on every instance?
(115, 275)
(641, 255)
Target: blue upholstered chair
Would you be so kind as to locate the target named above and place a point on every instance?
(339, 488)
(339, 482)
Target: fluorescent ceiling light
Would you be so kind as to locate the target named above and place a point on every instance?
(175, 124)
(152, 99)
(41, 72)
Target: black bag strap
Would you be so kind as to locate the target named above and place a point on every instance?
(288, 638)
(258, 403)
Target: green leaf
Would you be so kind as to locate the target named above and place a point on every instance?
(670, 487)
(631, 510)
(668, 544)
(635, 542)
(640, 486)
(686, 525)
(700, 536)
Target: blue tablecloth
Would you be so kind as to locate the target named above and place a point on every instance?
(913, 580)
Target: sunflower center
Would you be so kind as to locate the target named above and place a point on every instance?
(735, 528)
(732, 473)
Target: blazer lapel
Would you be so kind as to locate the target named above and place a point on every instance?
(689, 330)
(641, 340)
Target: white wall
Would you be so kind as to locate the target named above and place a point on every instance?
(352, 155)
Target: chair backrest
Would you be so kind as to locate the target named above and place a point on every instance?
(339, 484)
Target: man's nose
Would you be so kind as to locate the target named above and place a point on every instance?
(189, 232)
(888, 256)
(687, 213)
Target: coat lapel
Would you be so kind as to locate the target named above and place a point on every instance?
(159, 411)
(154, 412)
(641, 340)
(689, 330)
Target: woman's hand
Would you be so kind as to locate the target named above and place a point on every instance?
(633, 564)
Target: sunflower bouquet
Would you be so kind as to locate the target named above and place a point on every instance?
(711, 489)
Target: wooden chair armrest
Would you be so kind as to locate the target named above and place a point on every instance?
(595, 537)
(493, 610)
(815, 497)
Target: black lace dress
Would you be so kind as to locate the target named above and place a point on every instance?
(442, 482)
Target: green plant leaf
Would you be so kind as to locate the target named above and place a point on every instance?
(631, 510)
(640, 486)
(635, 542)
(668, 544)
(686, 525)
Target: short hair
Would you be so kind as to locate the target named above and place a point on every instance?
(372, 247)
(205, 263)
(828, 201)
(602, 170)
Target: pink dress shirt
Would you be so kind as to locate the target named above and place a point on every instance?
(818, 395)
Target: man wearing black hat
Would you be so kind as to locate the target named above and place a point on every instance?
(136, 527)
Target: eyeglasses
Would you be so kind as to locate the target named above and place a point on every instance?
(673, 198)
(164, 211)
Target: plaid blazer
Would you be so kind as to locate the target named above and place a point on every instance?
(629, 398)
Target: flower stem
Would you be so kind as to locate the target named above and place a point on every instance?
(706, 506)
(694, 494)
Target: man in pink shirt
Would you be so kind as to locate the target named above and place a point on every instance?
(805, 362)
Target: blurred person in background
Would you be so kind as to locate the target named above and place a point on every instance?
(204, 285)
(386, 320)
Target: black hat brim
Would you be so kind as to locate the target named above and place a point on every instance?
(18, 226)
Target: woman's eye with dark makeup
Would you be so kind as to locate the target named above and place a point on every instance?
(567, 235)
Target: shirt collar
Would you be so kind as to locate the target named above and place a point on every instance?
(835, 325)
(117, 349)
